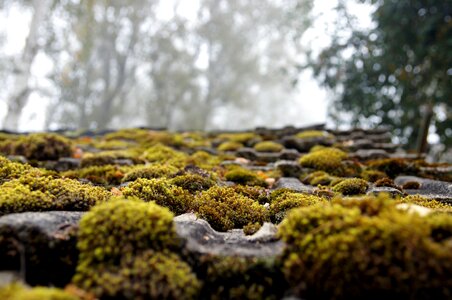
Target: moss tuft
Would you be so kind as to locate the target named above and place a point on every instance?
(103, 175)
(373, 175)
(308, 134)
(18, 292)
(193, 182)
(411, 185)
(245, 177)
(230, 146)
(150, 172)
(163, 154)
(425, 202)
(351, 186)
(268, 146)
(327, 159)
(162, 192)
(225, 209)
(392, 166)
(251, 228)
(281, 205)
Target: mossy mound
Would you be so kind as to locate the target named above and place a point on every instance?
(125, 253)
(204, 160)
(193, 182)
(230, 146)
(425, 202)
(392, 166)
(163, 154)
(150, 172)
(108, 158)
(283, 203)
(226, 209)
(245, 177)
(326, 159)
(366, 249)
(103, 175)
(351, 186)
(268, 146)
(162, 192)
(309, 134)
(13, 170)
(18, 292)
(257, 193)
(40, 146)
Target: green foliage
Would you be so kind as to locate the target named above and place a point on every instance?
(162, 192)
(326, 159)
(18, 292)
(125, 253)
(395, 72)
(245, 177)
(40, 146)
(226, 209)
(268, 146)
(365, 249)
(351, 186)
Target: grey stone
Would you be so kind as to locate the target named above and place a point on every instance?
(200, 239)
(293, 184)
(289, 154)
(248, 153)
(384, 189)
(289, 168)
(18, 158)
(66, 163)
(123, 162)
(367, 154)
(40, 245)
(435, 189)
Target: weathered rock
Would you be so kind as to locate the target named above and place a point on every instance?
(289, 168)
(40, 245)
(435, 189)
(384, 189)
(66, 163)
(293, 184)
(201, 239)
(248, 153)
(303, 145)
(289, 154)
(368, 154)
(18, 158)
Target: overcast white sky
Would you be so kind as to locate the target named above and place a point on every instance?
(312, 102)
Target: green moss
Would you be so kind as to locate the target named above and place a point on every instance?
(425, 202)
(204, 160)
(251, 228)
(125, 253)
(441, 226)
(230, 146)
(373, 175)
(282, 204)
(337, 252)
(193, 182)
(327, 159)
(18, 292)
(162, 192)
(107, 158)
(149, 172)
(314, 134)
(146, 137)
(245, 177)
(164, 154)
(386, 182)
(30, 193)
(41, 146)
(104, 175)
(12, 170)
(225, 209)
(268, 146)
(240, 137)
(308, 178)
(321, 180)
(351, 186)
(256, 193)
(392, 166)
(411, 185)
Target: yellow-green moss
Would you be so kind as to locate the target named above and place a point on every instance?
(256, 193)
(243, 176)
(163, 154)
(337, 252)
(230, 146)
(373, 175)
(16, 291)
(193, 182)
(425, 202)
(162, 192)
(104, 175)
(391, 166)
(225, 209)
(321, 180)
(149, 172)
(351, 186)
(146, 137)
(239, 137)
(204, 160)
(314, 134)
(11, 170)
(125, 253)
(107, 158)
(251, 228)
(281, 204)
(268, 146)
(41, 146)
(327, 159)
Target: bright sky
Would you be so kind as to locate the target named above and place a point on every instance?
(311, 105)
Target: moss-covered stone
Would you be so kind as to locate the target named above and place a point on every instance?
(230, 146)
(425, 202)
(193, 182)
(327, 159)
(150, 172)
(373, 175)
(245, 177)
(204, 160)
(251, 228)
(103, 175)
(268, 146)
(308, 134)
(16, 291)
(162, 192)
(282, 204)
(108, 158)
(351, 186)
(226, 209)
(12, 170)
(163, 154)
(256, 193)
(337, 252)
(392, 166)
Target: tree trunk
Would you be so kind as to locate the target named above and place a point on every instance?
(427, 116)
(21, 90)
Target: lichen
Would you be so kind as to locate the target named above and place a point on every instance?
(268, 146)
(327, 159)
(162, 192)
(351, 186)
(226, 209)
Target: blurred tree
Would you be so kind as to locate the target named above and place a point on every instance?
(397, 73)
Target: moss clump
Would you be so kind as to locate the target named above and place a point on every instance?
(309, 134)
(251, 228)
(425, 202)
(386, 182)
(164, 154)
(12, 170)
(240, 137)
(18, 292)
(337, 252)
(411, 185)
(351, 186)
(30, 193)
(230, 146)
(145, 137)
(245, 177)
(162, 192)
(225, 209)
(256, 193)
(268, 146)
(103, 175)
(281, 205)
(204, 160)
(193, 182)
(41, 146)
(373, 175)
(125, 253)
(327, 159)
(107, 158)
(149, 172)
(441, 226)
(392, 166)
(321, 180)
(308, 178)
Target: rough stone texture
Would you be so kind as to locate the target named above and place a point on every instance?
(368, 154)
(293, 184)
(384, 189)
(66, 163)
(289, 168)
(39, 245)
(303, 145)
(439, 190)
(201, 239)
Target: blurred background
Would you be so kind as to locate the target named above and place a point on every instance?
(229, 64)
